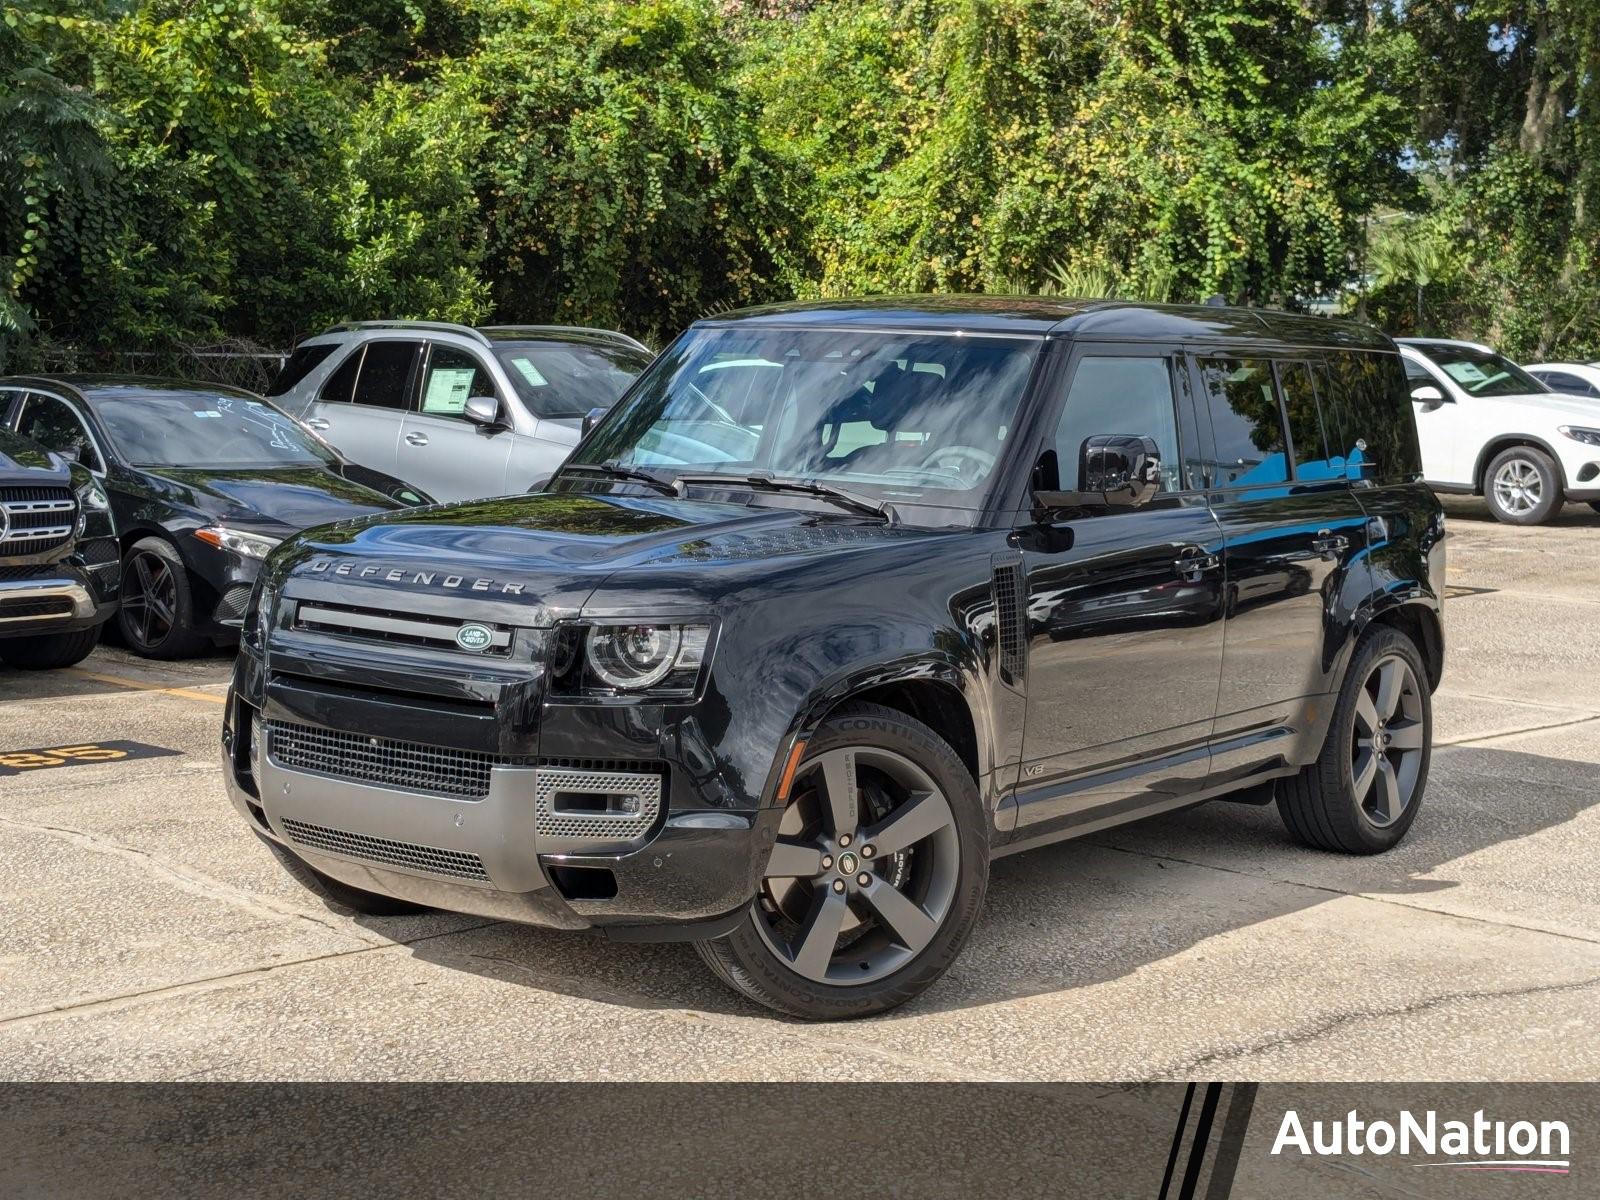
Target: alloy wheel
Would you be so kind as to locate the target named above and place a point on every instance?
(865, 868)
(149, 599)
(1518, 487)
(1388, 741)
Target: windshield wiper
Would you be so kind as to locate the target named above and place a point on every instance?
(761, 481)
(617, 471)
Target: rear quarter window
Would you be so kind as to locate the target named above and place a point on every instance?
(1366, 404)
(301, 363)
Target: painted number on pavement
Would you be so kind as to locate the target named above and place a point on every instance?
(20, 762)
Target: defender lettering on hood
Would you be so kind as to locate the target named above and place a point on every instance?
(327, 566)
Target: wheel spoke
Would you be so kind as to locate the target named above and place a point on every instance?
(794, 860)
(1364, 772)
(1406, 735)
(904, 917)
(1366, 712)
(924, 814)
(820, 934)
(1391, 678)
(839, 790)
(1386, 795)
(141, 568)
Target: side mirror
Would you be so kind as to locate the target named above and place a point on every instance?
(1427, 395)
(483, 411)
(591, 419)
(1115, 470)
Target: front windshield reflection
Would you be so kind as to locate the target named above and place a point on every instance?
(920, 417)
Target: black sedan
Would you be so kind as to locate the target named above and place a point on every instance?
(204, 481)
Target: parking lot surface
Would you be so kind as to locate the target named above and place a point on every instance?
(148, 935)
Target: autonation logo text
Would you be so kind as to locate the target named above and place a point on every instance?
(1478, 1144)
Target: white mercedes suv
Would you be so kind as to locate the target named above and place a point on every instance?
(1489, 428)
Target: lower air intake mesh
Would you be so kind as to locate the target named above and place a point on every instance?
(432, 859)
(385, 762)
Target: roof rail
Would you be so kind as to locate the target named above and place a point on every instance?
(610, 333)
(437, 326)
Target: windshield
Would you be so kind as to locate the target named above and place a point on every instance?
(1480, 372)
(569, 379)
(917, 417)
(205, 429)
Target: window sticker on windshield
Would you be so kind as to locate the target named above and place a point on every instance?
(1465, 372)
(529, 372)
(448, 390)
(201, 412)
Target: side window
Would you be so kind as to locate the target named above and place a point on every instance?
(301, 363)
(1119, 396)
(453, 377)
(1247, 428)
(1417, 374)
(1307, 438)
(1562, 382)
(1367, 406)
(341, 385)
(56, 426)
(385, 379)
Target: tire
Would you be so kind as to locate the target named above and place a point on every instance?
(367, 904)
(49, 651)
(157, 617)
(1322, 805)
(908, 783)
(1522, 486)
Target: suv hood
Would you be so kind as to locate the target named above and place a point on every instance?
(1552, 404)
(556, 548)
(23, 461)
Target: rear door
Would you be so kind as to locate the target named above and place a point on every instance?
(1122, 610)
(361, 405)
(1293, 534)
(442, 452)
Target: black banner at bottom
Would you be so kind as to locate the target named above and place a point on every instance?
(1154, 1141)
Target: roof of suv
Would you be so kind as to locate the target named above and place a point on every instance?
(1040, 315)
(489, 334)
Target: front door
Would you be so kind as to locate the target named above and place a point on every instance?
(442, 452)
(1438, 423)
(1295, 556)
(1123, 612)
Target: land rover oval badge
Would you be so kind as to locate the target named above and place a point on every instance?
(474, 637)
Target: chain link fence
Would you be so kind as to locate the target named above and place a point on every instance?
(237, 363)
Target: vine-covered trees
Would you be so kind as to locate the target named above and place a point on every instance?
(187, 170)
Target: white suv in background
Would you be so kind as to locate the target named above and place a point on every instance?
(1489, 428)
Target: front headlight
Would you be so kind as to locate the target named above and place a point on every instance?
(1579, 433)
(246, 545)
(94, 506)
(632, 657)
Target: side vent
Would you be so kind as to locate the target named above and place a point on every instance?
(1008, 609)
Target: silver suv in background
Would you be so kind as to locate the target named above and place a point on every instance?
(460, 413)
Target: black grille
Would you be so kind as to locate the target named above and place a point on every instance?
(1008, 610)
(20, 610)
(233, 603)
(99, 551)
(414, 766)
(22, 522)
(422, 629)
(432, 859)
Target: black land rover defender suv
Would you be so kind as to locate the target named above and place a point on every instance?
(839, 602)
(60, 568)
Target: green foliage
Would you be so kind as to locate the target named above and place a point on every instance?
(181, 171)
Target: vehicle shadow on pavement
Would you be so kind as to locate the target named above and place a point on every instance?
(1083, 913)
(1572, 515)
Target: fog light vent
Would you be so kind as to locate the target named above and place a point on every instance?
(578, 812)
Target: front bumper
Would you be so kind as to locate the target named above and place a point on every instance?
(61, 598)
(689, 875)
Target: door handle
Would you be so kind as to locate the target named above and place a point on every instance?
(416, 439)
(1193, 564)
(316, 423)
(1329, 544)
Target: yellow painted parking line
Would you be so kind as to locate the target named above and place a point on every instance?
(186, 693)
